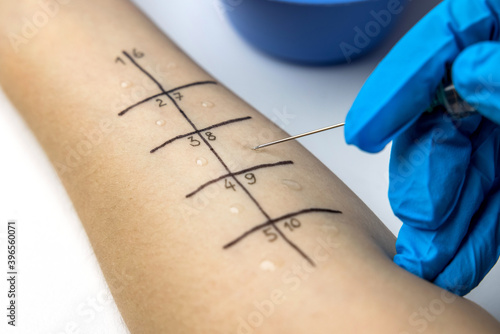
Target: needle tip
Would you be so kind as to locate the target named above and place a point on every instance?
(255, 148)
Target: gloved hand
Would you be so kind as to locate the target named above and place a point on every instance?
(444, 174)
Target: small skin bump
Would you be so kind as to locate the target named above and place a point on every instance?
(201, 161)
(267, 265)
(290, 184)
(125, 84)
(236, 209)
(207, 104)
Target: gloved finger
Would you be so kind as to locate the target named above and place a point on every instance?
(427, 250)
(428, 167)
(476, 76)
(479, 251)
(404, 83)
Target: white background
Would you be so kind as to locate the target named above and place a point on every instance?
(61, 289)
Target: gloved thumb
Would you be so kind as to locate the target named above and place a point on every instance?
(476, 76)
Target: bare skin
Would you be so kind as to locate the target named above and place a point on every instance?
(328, 269)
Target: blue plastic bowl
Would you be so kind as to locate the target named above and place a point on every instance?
(314, 31)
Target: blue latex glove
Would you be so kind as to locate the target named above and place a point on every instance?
(444, 174)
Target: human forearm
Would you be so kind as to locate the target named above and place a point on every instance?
(67, 83)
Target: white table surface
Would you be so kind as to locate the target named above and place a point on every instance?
(61, 288)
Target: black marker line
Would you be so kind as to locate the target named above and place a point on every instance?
(285, 238)
(304, 255)
(274, 221)
(243, 171)
(121, 113)
(195, 132)
(192, 84)
(144, 71)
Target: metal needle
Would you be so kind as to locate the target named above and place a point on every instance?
(298, 136)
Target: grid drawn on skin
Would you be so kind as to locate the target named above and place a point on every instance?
(270, 222)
